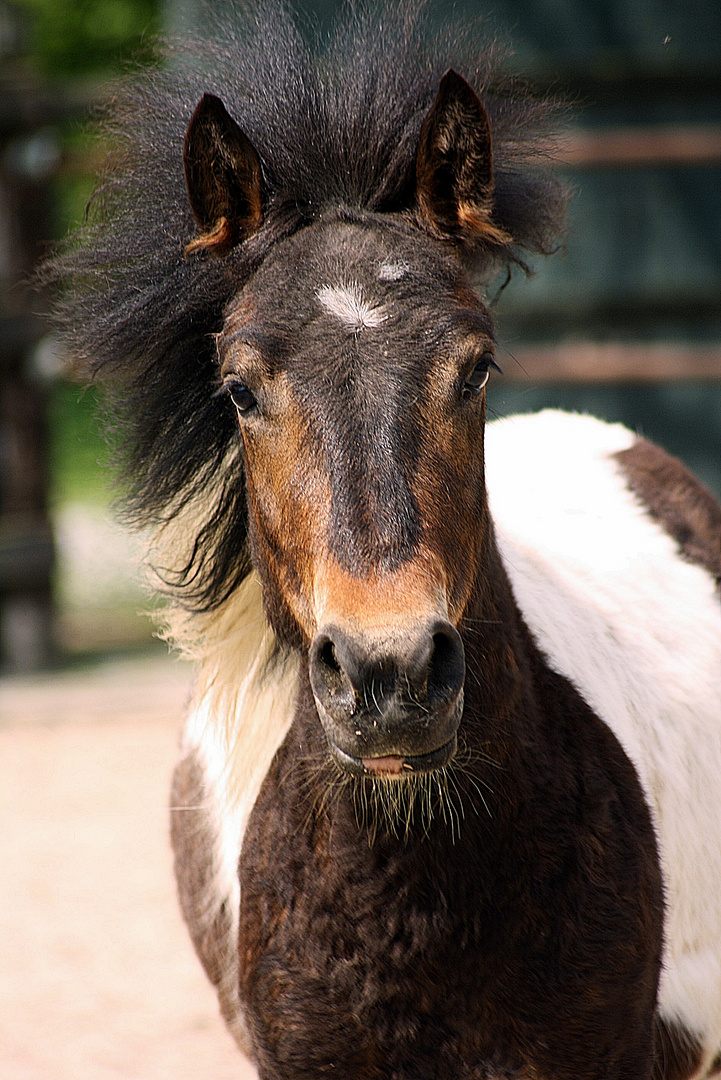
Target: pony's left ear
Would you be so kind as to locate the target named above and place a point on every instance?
(454, 166)
(223, 177)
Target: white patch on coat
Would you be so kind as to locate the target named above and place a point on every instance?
(393, 271)
(241, 711)
(637, 629)
(346, 302)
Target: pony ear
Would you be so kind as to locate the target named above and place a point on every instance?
(223, 177)
(454, 166)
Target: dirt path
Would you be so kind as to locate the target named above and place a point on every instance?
(98, 980)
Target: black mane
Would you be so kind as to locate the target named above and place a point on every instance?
(334, 126)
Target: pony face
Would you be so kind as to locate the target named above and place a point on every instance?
(356, 357)
(357, 360)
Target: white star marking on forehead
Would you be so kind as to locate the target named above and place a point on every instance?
(393, 271)
(347, 303)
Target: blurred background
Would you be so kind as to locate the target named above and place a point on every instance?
(625, 323)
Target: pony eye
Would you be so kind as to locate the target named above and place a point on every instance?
(241, 397)
(480, 374)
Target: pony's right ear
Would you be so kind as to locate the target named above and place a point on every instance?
(223, 177)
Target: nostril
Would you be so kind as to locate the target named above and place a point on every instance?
(447, 668)
(326, 669)
(327, 657)
(442, 649)
(330, 678)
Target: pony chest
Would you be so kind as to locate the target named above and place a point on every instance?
(377, 959)
(351, 957)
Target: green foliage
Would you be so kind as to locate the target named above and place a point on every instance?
(88, 37)
(78, 451)
(73, 187)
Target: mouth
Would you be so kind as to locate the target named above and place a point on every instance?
(394, 767)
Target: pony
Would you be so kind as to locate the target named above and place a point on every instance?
(448, 803)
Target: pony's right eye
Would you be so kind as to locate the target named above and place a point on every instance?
(241, 397)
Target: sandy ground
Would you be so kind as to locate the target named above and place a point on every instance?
(98, 980)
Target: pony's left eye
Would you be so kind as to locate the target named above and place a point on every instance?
(480, 374)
